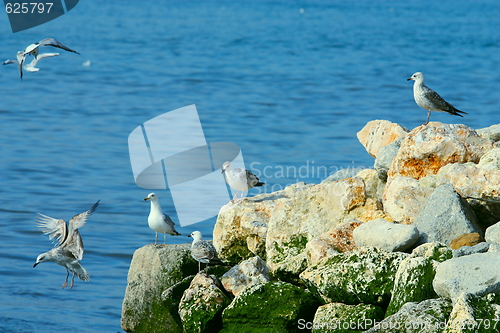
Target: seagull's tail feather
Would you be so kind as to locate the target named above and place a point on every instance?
(457, 112)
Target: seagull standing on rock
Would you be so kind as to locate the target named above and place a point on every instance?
(158, 221)
(240, 179)
(203, 251)
(68, 250)
(430, 100)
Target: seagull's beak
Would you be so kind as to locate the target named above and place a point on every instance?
(408, 79)
(190, 236)
(223, 170)
(35, 265)
(146, 198)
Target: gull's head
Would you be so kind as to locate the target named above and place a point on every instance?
(225, 166)
(151, 196)
(418, 76)
(42, 258)
(196, 235)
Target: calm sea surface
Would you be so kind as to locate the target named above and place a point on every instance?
(290, 82)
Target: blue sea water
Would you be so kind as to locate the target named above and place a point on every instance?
(290, 82)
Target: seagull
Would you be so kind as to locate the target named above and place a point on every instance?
(203, 251)
(430, 100)
(240, 179)
(33, 49)
(68, 244)
(158, 221)
(31, 66)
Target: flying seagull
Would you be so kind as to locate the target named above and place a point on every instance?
(430, 100)
(31, 66)
(33, 49)
(240, 179)
(68, 244)
(158, 221)
(203, 251)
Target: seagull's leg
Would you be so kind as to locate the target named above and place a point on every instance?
(235, 197)
(199, 266)
(156, 239)
(72, 281)
(164, 239)
(428, 116)
(65, 281)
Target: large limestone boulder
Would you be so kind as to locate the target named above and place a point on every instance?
(379, 133)
(247, 273)
(385, 235)
(364, 275)
(273, 307)
(404, 198)
(429, 316)
(445, 216)
(154, 269)
(340, 318)
(477, 274)
(202, 303)
(428, 148)
(473, 314)
(491, 133)
(385, 156)
(478, 185)
(412, 283)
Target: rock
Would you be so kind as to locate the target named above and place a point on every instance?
(472, 314)
(338, 317)
(154, 268)
(428, 148)
(435, 251)
(429, 316)
(340, 237)
(374, 186)
(477, 274)
(342, 174)
(385, 235)
(404, 198)
(469, 239)
(479, 186)
(468, 250)
(271, 307)
(172, 296)
(308, 214)
(317, 249)
(379, 133)
(246, 273)
(202, 303)
(491, 133)
(445, 216)
(364, 275)
(412, 283)
(385, 156)
(492, 234)
(490, 160)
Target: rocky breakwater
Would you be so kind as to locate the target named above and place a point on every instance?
(410, 245)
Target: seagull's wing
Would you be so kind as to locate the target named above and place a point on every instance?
(21, 56)
(9, 61)
(203, 251)
(436, 99)
(55, 228)
(170, 223)
(79, 220)
(74, 243)
(40, 57)
(252, 180)
(55, 43)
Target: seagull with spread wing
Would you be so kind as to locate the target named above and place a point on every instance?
(68, 244)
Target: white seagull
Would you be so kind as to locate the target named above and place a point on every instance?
(430, 100)
(68, 244)
(203, 251)
(240, 179)
(158, 221)
(33, 49)
(31, 66)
